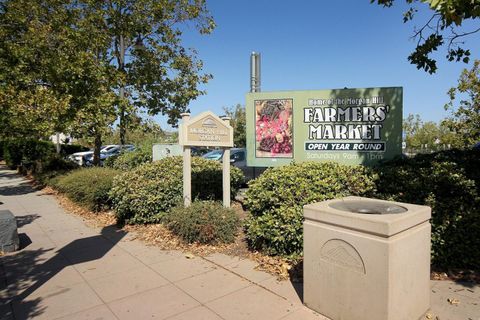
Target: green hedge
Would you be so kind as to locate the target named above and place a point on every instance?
(2, 143)
(89, 187)
(67, 149)
(146, 193)
(129, 160)
(25, 152)
(275, 201)
(206, 222)
(448, 182)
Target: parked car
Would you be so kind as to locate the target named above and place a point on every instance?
(110, 151)
(86, 158)
(238, 158)
(80, 158)
(476, 146)
(199, 151)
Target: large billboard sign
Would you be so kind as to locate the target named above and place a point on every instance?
(350, 126)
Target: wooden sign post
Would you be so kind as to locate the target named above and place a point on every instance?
(205, 130)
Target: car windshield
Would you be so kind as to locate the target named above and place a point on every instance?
(108, 148)
(213, 155)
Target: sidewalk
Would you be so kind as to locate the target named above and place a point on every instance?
(67, 270)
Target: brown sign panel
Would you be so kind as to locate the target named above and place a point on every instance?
(207, 130)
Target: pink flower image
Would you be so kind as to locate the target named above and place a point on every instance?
(273, 128)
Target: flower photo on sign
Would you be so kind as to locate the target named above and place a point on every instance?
(273, 128)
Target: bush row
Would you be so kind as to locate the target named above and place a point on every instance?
(34, 154)
(153, 193)
(89, 187)
(275, 201)
(448, 182)
(26, 152)
(146, 193)
(130, 160)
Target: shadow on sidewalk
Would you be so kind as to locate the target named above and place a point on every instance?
(25, 272)
(22, 188)
(26, 219)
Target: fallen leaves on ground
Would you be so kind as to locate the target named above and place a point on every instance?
(160, 236)
(93, 219)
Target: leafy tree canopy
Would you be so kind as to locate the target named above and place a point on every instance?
(428, 135)
(443, 28)
(61, 62)
(239, 124)
(465, 106)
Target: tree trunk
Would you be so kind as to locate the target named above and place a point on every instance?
(122, 120)
(121, 67)
(96, 150)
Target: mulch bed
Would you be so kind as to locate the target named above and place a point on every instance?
(158, 235)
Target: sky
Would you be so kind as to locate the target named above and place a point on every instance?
(315, 45)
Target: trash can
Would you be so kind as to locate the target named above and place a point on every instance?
(9, 241)
(367, 259)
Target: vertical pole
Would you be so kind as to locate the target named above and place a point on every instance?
(226, 172)
(58, 142)
(121, 91)
(255, 72)
(187, 166)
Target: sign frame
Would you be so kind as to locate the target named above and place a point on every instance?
(350, 126)
(206, 130)
(214, 128)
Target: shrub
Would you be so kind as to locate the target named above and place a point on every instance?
(146, 193)
(2, 143)
(54, 166)
(68, 149)
(448, 182)
(206, 222)
(275, 201)
(88, 186)
(25, 152)
(129, 160)
(56, 162)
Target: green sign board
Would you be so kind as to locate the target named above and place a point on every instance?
(349, 126)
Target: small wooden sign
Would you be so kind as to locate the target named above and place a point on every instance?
(206, 130)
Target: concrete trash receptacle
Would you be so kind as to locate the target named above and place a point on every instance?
(9, 241)
(367, 259)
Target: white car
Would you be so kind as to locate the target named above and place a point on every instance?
(85, 158)
(80, 157)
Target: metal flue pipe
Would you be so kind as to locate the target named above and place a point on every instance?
(255, 72)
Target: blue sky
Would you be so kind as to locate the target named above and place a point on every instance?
(313, 45)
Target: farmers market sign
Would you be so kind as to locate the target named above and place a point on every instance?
(350, 126)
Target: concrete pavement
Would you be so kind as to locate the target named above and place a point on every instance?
(67, 270)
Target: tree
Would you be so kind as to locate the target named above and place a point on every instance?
(419, 134)
(38, 60)
(411, 125)
(79, 64)
(443, 28)
(141, 131)
(156, 71)
(465, 114)
(239, 124)
(54, 70)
